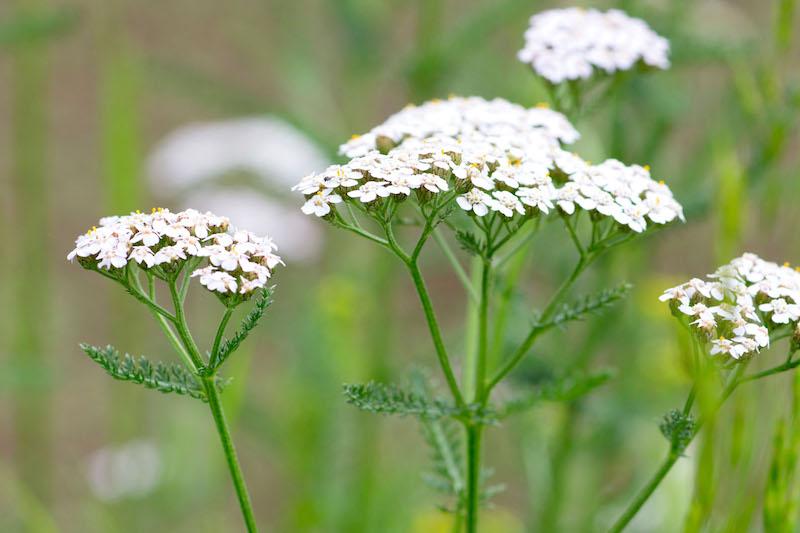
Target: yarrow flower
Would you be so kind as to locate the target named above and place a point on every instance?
(163, 242)
(570, 44)
(739, 305)
(487, 163)
(460, 116)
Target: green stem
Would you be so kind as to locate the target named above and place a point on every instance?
(436, 334)
(212, 394)
(163, 322)
(218, 338)
(483, 327)
(230, 453)
(646, 491)
(183, 328)
(474, 434)
(540, 327)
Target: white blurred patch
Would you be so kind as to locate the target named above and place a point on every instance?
(131, 470)
(188, 162)
(268, 147)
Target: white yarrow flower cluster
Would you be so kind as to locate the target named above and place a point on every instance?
(462, 116)
(738, 305)
(513, 171)
(569, 44)
(239, 262)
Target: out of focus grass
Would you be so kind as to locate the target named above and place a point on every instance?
(88, 90)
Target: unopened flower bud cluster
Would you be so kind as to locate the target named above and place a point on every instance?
(569, 44)
(517, 170)
(162, 242)
(738, 306)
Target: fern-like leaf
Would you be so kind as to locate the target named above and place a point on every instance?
(470, 243)
(159, 376)
(587, 305)
(563, 389)
(249, 322)
(393, 400)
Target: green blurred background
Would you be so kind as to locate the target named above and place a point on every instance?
(90, 89)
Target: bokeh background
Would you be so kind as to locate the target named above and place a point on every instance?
(110, 106)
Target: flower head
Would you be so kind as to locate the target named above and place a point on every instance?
(573, 43)
(457, 117)
(488, 159)
(723, 307)
(163, 243)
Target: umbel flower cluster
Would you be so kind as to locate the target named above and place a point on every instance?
(162, 242)
(738, 306)
(569, 44)
(506, 162)
(462, 116)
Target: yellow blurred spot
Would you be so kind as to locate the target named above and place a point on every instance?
(786, 264)
(543, 105)
(354, 136)
(647, 168)
(661, 182)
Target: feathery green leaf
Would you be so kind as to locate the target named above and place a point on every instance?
(592, 303)
(470, 243)
(392, 400)
(249, 322)
(162, 377)
(678, 428)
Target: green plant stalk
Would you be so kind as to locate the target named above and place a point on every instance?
(230, 453)
(474, 430)
(474, 436)
(436, 335)
(214, 403)
(644, 494)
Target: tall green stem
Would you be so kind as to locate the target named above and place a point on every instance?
(474, 429)
(483, 330)
(230, 453)
(474, 435)
(212, 393)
